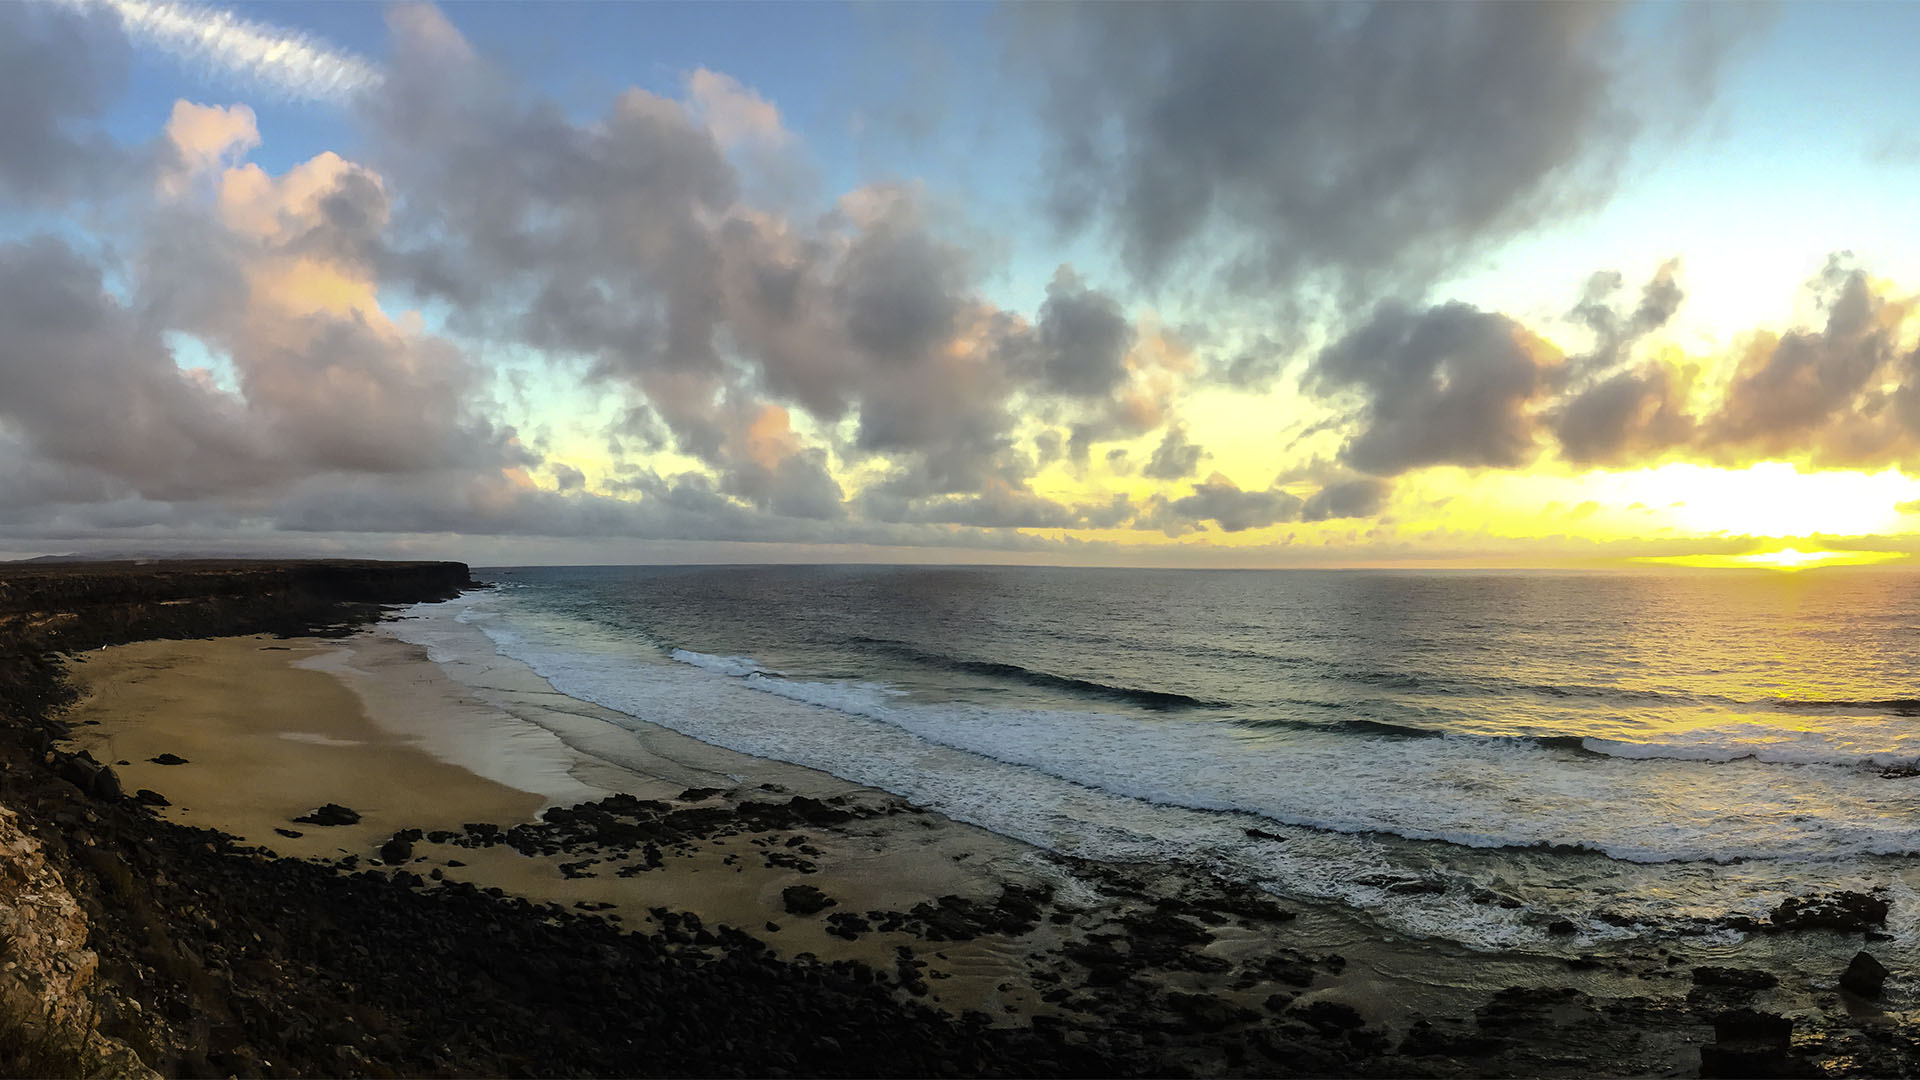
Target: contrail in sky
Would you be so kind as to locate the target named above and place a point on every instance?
(288, 62)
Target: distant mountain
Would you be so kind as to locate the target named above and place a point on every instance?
(135, 557)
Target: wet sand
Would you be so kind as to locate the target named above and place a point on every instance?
(272, 729)
(496, 780)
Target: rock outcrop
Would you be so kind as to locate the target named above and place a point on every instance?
(46, 969)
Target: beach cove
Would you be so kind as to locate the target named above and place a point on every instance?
(518, 865)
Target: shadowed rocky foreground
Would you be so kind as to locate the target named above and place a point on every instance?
(206, 956)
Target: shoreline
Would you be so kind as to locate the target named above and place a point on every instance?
(982, 927)
(219, 955)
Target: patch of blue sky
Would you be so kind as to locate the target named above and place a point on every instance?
(1787, 168)
(191, 351)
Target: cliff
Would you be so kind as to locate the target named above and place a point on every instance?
(50, 608)
(67, 896)
(66, 606)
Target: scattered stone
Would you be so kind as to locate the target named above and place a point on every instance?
(150, 797)
(847, 924)
(168, 759)
(1740, 978)
(399, 848)
(805, 900)
(106, 785)
(1420, 886)
(291, 834)
(1750, 1027)
(1330, 1015)
(1846, 912)
(1204, 1012)
(1424, 1039)
(330, 814)
(1748, 1043)
(1864, 976)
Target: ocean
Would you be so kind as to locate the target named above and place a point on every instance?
(1480, 758)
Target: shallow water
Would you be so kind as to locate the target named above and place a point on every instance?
(1464, 757)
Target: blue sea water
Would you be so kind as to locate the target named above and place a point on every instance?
(1471, 756)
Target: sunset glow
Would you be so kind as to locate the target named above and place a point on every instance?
(363, 279)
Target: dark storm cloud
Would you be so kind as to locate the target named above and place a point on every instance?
(1623, 418)
(58, 67)
(1219, 500)
(1615, 328)
(568, 478)
(1175, 458)
(1355, 147)
(1083, 338)
(1362, 497)
(1615, 410)
(1451, 385)
(623, 241)
(1786, 390)
(86, 383)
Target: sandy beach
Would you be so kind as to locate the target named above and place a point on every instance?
(484, 776)
(270, 730)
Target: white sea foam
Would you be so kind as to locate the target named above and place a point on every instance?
(725, 665)
(1351, 809)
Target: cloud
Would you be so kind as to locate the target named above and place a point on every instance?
(1451, 385)
(1360, 497)
(1175, 458)
(1349, 148)
(255, 54)
(1790, 390)
(734, 113)
(87, 384)
(204, 138)
(814, 370)
(1617, 410)
(1219, 500)
(1083, 339)
(58, 67)
(1629, 416)
(630, 243)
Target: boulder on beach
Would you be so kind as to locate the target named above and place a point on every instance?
(396, 850)
(1846, 912)
(805, 900)
(330, 814)
(1738, 978)
(1864, 976)
(168, 759)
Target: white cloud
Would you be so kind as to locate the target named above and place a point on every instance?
(281, 61)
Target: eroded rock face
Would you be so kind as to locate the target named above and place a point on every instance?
(45, 966)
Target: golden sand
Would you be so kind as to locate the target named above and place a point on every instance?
(272, 729)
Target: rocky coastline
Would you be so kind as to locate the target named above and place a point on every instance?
(207, 956)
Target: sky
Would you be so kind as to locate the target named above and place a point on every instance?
(1208, 285)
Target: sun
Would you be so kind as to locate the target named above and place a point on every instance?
(1787, 559)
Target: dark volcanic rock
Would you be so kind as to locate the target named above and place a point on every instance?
(1330, 1015)
(168, 759)
(1423, 1039)
(1864, 976)
(1749, 1027)
(1752, 1044)
(1741, 978)
(805, 900)
(106, 785)
(1846, 912)
(150, 797)
(330, 814)
(399, 848)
